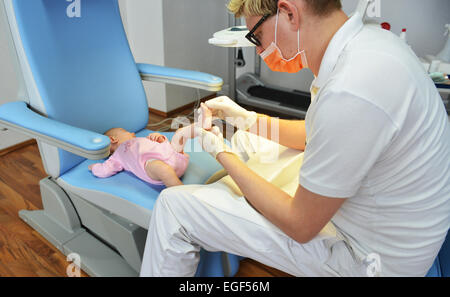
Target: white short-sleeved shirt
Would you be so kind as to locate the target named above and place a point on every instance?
(378, 134)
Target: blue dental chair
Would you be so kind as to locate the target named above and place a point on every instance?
(81, 79)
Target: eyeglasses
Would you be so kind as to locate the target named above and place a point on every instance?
(250, 36)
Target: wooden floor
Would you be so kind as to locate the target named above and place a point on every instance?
(24, 252)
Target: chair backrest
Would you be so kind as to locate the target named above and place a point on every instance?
(77, 67)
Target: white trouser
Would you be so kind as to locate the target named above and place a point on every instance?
(188, 217)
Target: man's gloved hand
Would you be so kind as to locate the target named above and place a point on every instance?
(212, 141)
(228, 110)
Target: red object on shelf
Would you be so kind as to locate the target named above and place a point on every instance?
(386, 26)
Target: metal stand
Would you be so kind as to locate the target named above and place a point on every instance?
(231, 63)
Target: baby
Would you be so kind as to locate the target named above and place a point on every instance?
(153, 158)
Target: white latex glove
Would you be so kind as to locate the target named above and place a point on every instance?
(228, 110)
(212, 141)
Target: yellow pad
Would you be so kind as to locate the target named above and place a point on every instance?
(283, 173)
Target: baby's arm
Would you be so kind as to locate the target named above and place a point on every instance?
(105, 169)
(160, 171)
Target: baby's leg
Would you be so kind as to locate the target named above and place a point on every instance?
(160, 171)
(181, 136)
(205, 117)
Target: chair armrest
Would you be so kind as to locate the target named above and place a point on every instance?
(193, 79)
(18, 117)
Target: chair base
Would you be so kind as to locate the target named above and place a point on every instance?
(96, 258)
(59, 223)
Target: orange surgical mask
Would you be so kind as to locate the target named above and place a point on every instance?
(274, 59)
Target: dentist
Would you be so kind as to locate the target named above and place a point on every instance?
(376, 170)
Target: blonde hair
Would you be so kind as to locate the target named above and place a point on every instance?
(252, 7)
(112, 131)
(248, 8)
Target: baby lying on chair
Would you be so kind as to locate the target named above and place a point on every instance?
(153, 159)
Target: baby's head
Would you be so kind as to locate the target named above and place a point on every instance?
(117, 137)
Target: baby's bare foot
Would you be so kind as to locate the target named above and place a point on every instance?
(205, 117)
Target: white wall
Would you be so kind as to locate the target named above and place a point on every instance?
(175, 34)
(424, 20)
(144, 27)
(187, 27)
